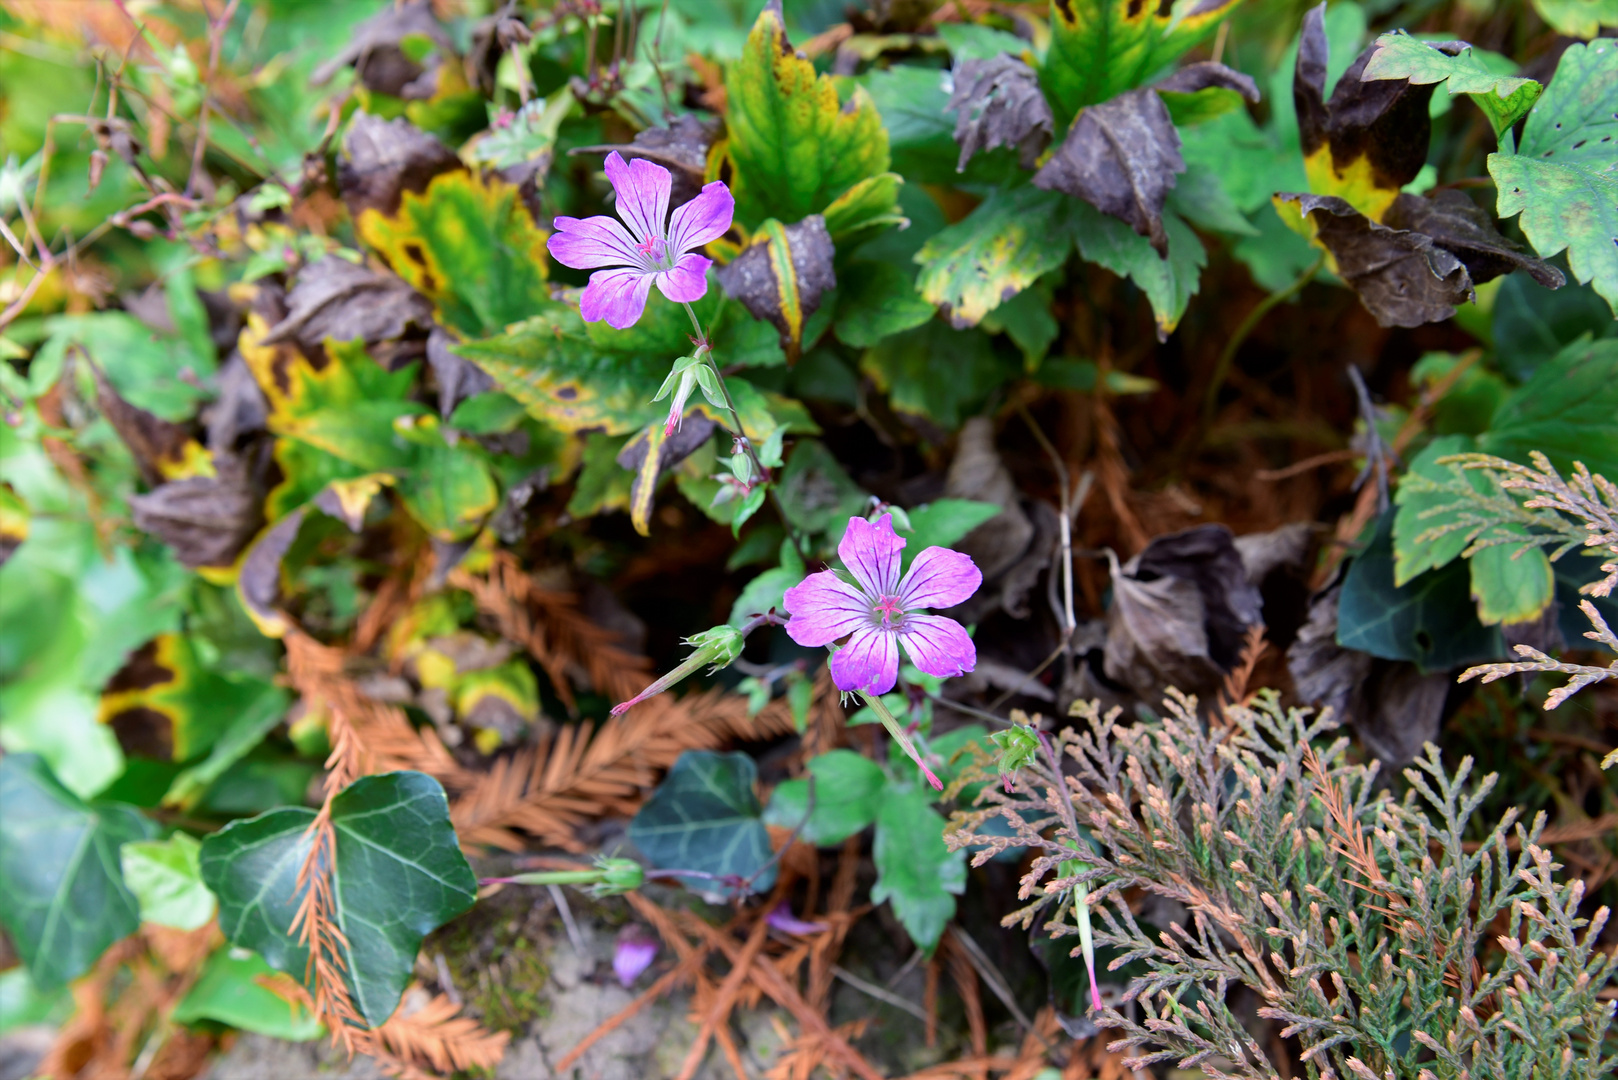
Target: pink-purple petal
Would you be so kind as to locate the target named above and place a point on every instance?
(702, 220)
(824, 608)
(634, 953)
(939, 578)
(643, 194)
(871, 553)
(688, 280)
(869, 662)
(590, 243)
(937, 645)
(618, 296)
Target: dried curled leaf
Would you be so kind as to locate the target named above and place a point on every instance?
(1122, 156)
(998, 102)
(1403, 278)
(1460, 226)
(205, 519)
(334, 298)
(781, 277)
(386, 158)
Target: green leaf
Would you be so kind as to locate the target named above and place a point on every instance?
(1564, 177)
(1578, 18)
(490, 413)
(602, 484)
(1430, 620)
(876, 300)
(575, 378)
(1422, 508)
(817, 496)
(704, 817)
(1100, 48)
(469, 245)
(398, 874)
(1470, 403)
(1168, 283)
(765, 591)
(936, 372)
(848, 792)
(1531, 323)
(996, 251)
(792, 147)
(146, 368)
(229, 991)
(942, 522)
(244, 731)
(1511, 585)
(450, 491)
(1026, 318)
(1504, 99)
(1565, 410)
(166, 877)
(66, 900)
(915, 872)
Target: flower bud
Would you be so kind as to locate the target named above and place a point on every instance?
(618, 876)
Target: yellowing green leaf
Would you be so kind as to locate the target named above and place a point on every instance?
(996, 251)
(469, 245)
(1504, 99)
(1511, 587)
(1100, 48)
(1578, 18)
(793, 149)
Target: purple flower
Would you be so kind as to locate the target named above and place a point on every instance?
(655, 247)
(881, 611)
(781, 918)
(634, 954)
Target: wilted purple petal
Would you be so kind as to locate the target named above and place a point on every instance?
(643, 194)
(618, 296)
(824, 607)
(782, 919)
(702, 220)
(939, 578)
(869, 662)
(937, 645)
(589, 243)
(688, 280)
(634, 953)
(871, 553)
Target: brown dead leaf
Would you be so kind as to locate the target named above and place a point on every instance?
(206, 519)
(998, 102)
(383, 159)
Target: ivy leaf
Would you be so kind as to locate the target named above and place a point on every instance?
(915, 872)
(1370, 139)
(1403, 278)
(1429, 620)
(1504, 99)
(704, 817)
(1565, 410)
(782, 275)
(848, 791)
(166, 878)
(996, 251)
(231, 991)
(1169, 283)
(1101, 48)
(468, 244)
(792, 147)
(398, 874)
(1563, 179)
(997, 102)
(66, 900)
(1122, 155)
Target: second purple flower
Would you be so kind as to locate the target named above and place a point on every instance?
(881, 610)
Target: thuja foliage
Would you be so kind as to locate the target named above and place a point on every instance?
(1367, 924)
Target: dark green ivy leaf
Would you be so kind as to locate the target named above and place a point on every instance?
(65, 897)
(705, 817)
(399, 875)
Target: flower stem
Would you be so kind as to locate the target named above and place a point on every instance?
(730, 403)
(905, 744)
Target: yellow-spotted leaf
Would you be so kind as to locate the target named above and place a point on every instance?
(1511, 585)
(470, 246)
(793, 148)
(1100, 48)
(166, 704)
(449, 491)
(996, 251)
(14, 518)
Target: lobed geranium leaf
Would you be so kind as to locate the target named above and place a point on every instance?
(792, 147)
(1565, 411)
(996, 251)
(916, 873)
(705, 817)
(1504, 99)
(1563, 179)
(937, 372)
(1578, 18)
(66, 900)
(848, 792)
(1168, 282)
(397, 875)
(997, 102)
(1101, 48)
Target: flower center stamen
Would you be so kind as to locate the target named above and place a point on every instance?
(888, 607)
